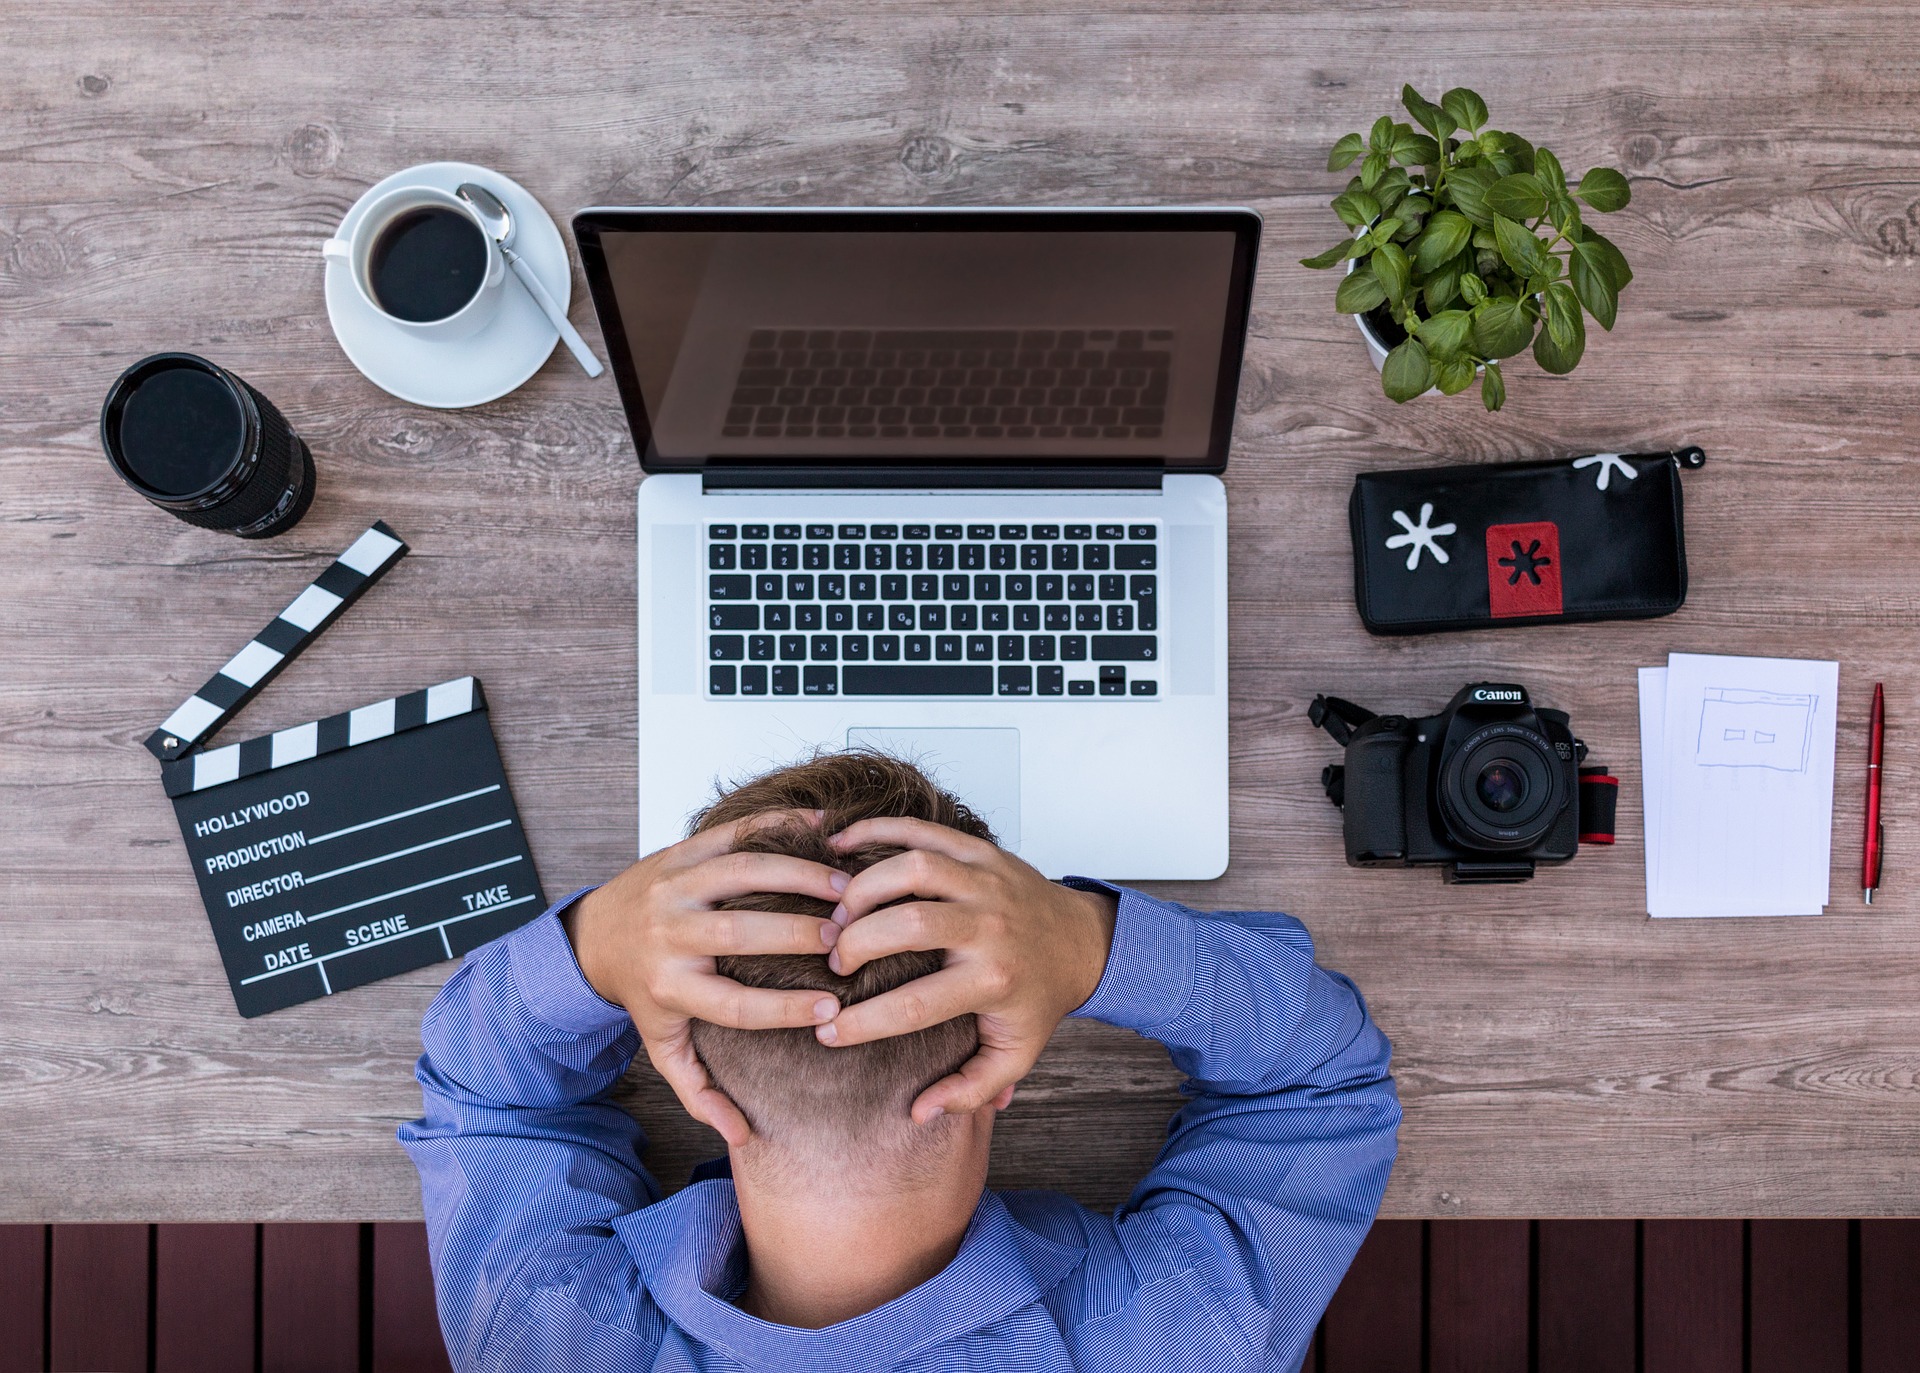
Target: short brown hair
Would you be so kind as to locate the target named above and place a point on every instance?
(793, 1089)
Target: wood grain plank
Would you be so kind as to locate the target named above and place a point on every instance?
(1587, 1319)
(406, 1320)
(1693, 1275)
(310, 1297)
(99, 1300)
(1889, 1294)
(1797, 1304)
(1478, 1296)
(1773, 232)
(23, 1298)
(1374, 1323)
(203, 1295)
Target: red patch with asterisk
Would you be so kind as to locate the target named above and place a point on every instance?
(1523, 569)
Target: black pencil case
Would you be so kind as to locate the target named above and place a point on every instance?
(1597, 537)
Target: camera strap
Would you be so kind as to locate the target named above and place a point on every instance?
(1340, 719)
(1599, 793)
(1337, 717)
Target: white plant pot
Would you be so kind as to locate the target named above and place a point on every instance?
(1377, 350)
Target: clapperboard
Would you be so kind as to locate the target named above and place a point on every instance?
(352, 848)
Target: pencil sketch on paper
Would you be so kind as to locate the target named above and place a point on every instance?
(1755, 729)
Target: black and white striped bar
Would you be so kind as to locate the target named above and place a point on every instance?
(216, 767)
(344, 582)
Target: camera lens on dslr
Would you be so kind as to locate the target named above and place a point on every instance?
(1502, 786)
(200, 443)
(1501, 790)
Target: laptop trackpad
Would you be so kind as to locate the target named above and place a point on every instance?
(980, 766)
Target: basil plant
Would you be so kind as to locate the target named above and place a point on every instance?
(1468, 245)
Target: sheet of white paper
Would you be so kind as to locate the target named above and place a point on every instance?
(1746, 803)
(1653, 772)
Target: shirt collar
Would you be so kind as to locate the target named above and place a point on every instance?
(690, 1250)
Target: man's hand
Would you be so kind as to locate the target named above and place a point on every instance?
(647, 941)
(1021, 952)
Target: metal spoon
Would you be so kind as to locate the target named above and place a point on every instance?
(499, 223)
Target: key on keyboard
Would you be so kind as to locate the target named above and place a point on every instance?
(1056, 620)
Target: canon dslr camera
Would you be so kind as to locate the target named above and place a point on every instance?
(1488, 788)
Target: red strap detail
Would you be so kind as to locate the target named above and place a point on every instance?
(1599, 777)
(1596, 838)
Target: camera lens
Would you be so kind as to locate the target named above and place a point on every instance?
(1502, 786)
(1502, 789)
(202, 444)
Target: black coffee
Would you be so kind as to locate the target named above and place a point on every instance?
(427, 264)
(181, 430)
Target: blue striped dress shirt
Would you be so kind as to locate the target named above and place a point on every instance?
(553, 1248)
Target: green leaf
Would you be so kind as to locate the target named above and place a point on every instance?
(1417, 106)
(1562, 211)
(1465, 106)
(1407, 373)
(1519, 247)
(1468, 188)
(1517, 197)
(1380, 140)
(1415, 204)
(1356, 208)
(1453, 375)
(1502, 326)
(1604, 189)
(1386, 228)
(1338, 253)
(1372, 169)
(1417, 150)
(1345, 151)
(1359, 292)
(1493, 387)
(1390, 266)
(1447, 333)
(1441, 288)
(1547, 167)
(1555, 358)
(1563, 313)
(1616, 264)
(1445, 235)
(1593, 283)
(1472, 289)
(1519, 151)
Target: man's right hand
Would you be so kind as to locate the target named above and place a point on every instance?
(647, 941)
(1021, 952)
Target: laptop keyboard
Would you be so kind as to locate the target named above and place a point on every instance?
(952, 384)
(1008, 610)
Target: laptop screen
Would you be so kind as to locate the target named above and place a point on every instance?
(765, 337)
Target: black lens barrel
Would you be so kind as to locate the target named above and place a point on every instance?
(261, 491)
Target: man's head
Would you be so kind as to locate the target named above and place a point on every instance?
(800, 1095)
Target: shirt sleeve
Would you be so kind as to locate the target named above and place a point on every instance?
(1273, 1172)
(524, 1162)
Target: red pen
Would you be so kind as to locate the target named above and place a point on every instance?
(1870, 852)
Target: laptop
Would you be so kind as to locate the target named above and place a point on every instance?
(943, 483)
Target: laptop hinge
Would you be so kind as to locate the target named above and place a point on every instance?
(1134, 476)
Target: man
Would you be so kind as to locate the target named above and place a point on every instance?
(842, 974)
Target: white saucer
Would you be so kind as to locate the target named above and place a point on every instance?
(449, 374)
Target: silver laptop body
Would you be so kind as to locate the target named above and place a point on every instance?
(943, 483)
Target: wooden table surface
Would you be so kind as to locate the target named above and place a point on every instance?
(167, 173)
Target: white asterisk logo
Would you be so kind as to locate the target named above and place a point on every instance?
(1421, 536)
(1609, 463)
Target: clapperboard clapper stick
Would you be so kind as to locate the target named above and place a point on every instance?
(352, 848)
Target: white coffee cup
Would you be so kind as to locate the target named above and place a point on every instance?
(357, 250)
